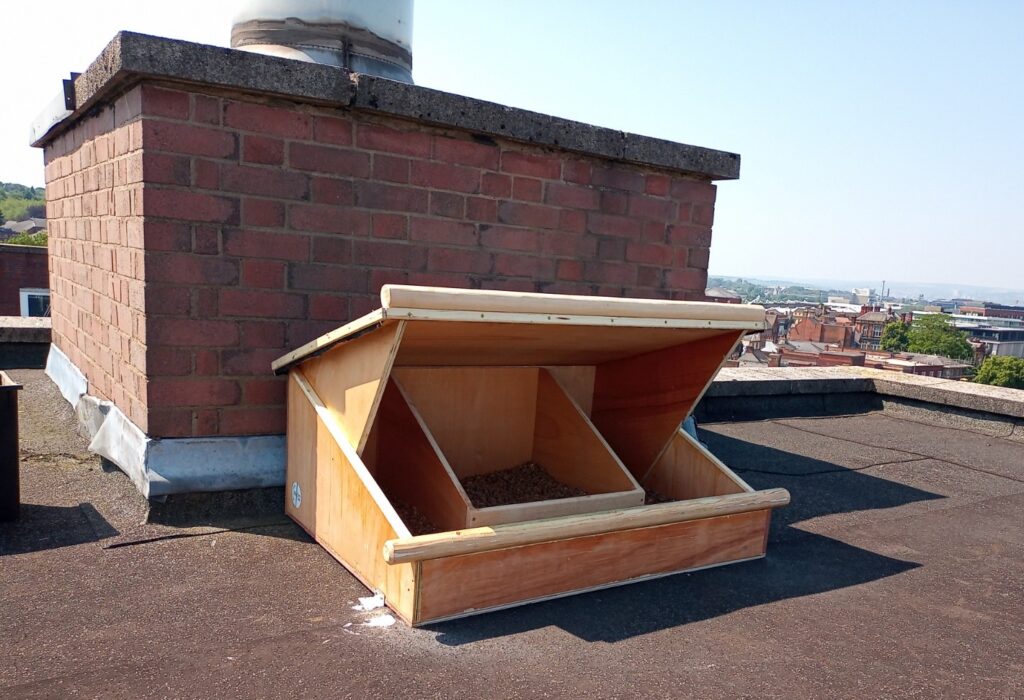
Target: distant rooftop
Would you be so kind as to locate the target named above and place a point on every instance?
(874, 316)
(721, 293)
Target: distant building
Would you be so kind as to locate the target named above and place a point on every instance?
(722, 295)
(839, 300)
(968, 323)
(822, 329)
(770, 334)
(801, 353)
(999, 340)
(869, 326)
(752, 358)
(863, 296)
(24, 281)
(990, 310)
(917, 363)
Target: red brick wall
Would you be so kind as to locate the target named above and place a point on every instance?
(266, 225)
(97, 282)
(20, 267)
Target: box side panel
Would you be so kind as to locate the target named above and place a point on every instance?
(301, 502)
(578, 382)
(684, 471)
(640, 401)
(472, 583)
(409, 468)
(350, 378)
(336, 509)
(481, 417)
(570, 448)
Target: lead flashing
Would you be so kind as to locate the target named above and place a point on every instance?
(130, 58)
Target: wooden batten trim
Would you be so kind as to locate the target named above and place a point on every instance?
(406, 314)
(324, 414)
(328, 340)
(485, 539)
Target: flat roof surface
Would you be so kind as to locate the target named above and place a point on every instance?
(896, 571)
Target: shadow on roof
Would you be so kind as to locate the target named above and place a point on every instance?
(799, 563)
(63, 527)
(817, 487)
(815, 564)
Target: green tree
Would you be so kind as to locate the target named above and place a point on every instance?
(895, 337)
(36, 239)
(1000, 370)
(18, 208)
(935, 335)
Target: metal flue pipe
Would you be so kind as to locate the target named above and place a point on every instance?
(365, 36)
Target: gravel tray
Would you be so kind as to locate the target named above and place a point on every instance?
(526, 483)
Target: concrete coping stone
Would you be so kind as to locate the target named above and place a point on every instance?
(18, 248)
(777, 381)
(131, 57)
(24, 329)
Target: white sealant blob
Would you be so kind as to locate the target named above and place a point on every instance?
(380, 621)
(371, 603)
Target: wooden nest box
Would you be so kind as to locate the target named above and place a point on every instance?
(462, 451)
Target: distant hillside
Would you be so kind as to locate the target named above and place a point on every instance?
(895, 288)
(20, 202)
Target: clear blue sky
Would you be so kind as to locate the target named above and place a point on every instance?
(880, 140)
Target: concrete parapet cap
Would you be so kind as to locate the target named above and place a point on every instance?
(24, 329)
(775, 381)
(132, 57)
(17, 248)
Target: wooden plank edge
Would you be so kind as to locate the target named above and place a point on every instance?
(381, 385)
(407, 314)
(485, 539)
(579, 591)
(456, 299)
(325, 342)
(615, 500)
(369, 483)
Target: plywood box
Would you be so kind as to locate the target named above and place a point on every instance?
(392, 418)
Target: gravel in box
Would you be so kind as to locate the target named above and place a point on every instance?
(523, 484)
(652, 497)
(416, 521)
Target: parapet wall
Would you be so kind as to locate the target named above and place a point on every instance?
(212, 209)
(764, 394)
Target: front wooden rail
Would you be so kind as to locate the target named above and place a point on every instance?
(485, 539)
